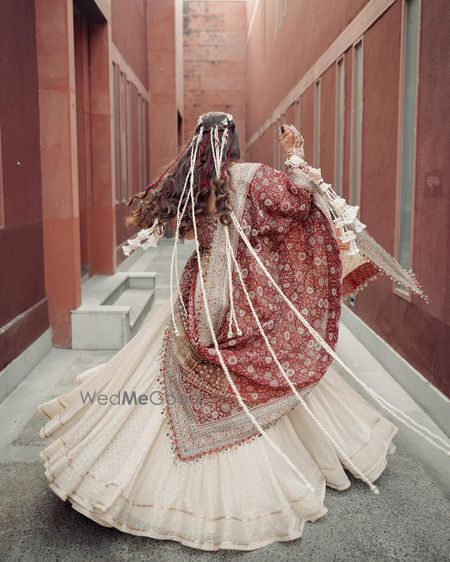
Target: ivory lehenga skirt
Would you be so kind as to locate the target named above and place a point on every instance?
(116, 466)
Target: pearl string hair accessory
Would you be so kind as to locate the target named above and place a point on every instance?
(174, 261)
(147, 237)
(225, 121)
(217, 148)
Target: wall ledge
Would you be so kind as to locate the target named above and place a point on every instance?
(19, 368)
(430, 398)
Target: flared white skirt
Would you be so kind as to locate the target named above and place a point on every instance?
(115, 464)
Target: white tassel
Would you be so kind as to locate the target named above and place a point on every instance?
(347, 235)
(353, 248)
(344, 214)
(145, 238)
(217, 150)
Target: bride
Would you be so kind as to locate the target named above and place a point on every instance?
(220, 424)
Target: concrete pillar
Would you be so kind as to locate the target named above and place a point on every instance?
(161, 73)
(102, 224)
(56, 68)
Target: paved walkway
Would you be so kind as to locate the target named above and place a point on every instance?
(409, 520)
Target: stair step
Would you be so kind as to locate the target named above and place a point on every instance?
(138, 299)
(113, 309)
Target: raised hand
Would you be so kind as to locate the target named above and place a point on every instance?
(290, 139)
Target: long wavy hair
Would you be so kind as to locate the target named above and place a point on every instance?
(159, 201)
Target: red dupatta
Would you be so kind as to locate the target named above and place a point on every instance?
(296, 241)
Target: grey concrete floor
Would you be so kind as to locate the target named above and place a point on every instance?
(408, 521)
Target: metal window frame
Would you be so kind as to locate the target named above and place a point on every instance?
(339, 155)
(317, 121)
(359, 41)
(403, 293)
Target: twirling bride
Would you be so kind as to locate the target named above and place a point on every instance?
(254, 423)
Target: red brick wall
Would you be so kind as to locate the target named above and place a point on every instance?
(277, 60)
(129, 33)
(162, 75)
(214, 61)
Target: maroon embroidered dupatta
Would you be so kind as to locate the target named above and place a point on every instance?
(296, 241)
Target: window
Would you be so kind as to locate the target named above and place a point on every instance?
(145, 141)
(408, 101)
(297, 115)
(340, 109)
(123, 136)
(317, 124)
(263, 25)
(130, 136)
(142, 142)
(140, 147)
(116, 108)
(357, 108)
(276, 145)
(179, 130)
(128, 186)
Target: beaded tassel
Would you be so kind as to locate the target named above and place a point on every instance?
(145, 238)
(349, 228)
(344, 215)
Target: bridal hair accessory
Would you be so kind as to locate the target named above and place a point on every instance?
(225, 121)
(217, 148)
(349, 228)
(150, 237)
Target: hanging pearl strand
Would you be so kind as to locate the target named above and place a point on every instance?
(217, 151)
(224, 366)
(357, 470)
(174, 260)
(393, 410)
(229, 253)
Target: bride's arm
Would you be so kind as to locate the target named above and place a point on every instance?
(291, 143)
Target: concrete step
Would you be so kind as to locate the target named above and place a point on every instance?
(114, 307)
